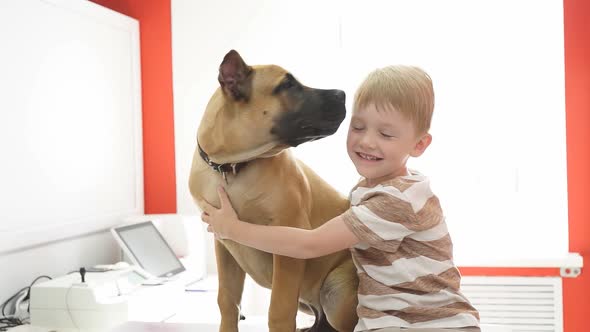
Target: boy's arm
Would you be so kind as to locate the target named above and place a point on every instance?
(295, 242)
(332, 236)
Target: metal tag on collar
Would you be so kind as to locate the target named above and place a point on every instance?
(233, 168)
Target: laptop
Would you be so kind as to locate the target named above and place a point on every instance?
(145, 246)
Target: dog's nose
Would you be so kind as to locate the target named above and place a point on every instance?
(340, 95)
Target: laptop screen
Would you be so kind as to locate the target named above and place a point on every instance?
(148, 248)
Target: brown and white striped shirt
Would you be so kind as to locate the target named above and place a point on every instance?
(404, 261)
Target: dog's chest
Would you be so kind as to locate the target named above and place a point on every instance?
(257, 264)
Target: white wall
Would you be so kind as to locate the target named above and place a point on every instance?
(499, 126)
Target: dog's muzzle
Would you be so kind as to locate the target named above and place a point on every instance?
(318, 116)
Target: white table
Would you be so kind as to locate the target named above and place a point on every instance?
(213, 327)
(198, 311)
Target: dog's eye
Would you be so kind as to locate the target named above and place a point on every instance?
(287, 84)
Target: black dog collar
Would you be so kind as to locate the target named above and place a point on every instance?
(222, 169)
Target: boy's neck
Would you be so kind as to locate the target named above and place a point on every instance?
(370, 183)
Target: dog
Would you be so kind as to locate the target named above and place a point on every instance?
(243, 143)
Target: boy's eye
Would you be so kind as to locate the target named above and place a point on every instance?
(357, 128)
(387, 135)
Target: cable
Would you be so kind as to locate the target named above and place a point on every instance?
(68, 307)
(29, 291)
(7, 321)
(39, 277)
(3, 306)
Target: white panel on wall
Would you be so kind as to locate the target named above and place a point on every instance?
(524, 304)
(70, 120)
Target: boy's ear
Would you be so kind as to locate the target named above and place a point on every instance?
(421, 145)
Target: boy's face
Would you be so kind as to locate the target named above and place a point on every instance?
(380, 142)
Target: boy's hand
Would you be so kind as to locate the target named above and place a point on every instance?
(220, 220)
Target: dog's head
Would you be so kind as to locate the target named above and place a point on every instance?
(260, 110)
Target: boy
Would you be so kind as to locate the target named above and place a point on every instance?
(395, 227)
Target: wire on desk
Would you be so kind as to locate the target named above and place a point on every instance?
(3, 306)
(9, 321)
(68, 307)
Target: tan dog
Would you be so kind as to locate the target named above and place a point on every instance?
(251, 120)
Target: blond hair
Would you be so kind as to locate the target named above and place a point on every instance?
(408, 89)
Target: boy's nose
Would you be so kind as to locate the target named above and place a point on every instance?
(367, 142)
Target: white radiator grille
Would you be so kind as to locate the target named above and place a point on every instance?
(525, 304)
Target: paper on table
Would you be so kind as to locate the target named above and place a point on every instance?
(208, 284)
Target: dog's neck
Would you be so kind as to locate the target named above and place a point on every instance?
(222, 169)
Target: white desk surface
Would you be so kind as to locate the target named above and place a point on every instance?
(177, 327)
(154, 327)
(204, 327)
(199, 312)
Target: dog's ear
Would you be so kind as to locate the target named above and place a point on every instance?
(234, 76)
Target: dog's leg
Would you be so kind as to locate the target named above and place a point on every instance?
(231, 282)
(339, 297)
(321, 323)
(284, 301)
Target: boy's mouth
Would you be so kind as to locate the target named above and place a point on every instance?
(368, 157)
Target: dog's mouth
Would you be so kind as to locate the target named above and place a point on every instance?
(310, 134)
(298, 132)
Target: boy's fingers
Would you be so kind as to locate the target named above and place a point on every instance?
(206, 206)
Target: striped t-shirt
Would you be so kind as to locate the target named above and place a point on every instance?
(404, 259)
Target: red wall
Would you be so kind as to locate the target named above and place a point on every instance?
(158, 110)
(577, 100)
(158, 126)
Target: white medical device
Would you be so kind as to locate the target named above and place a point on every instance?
(104, 300)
